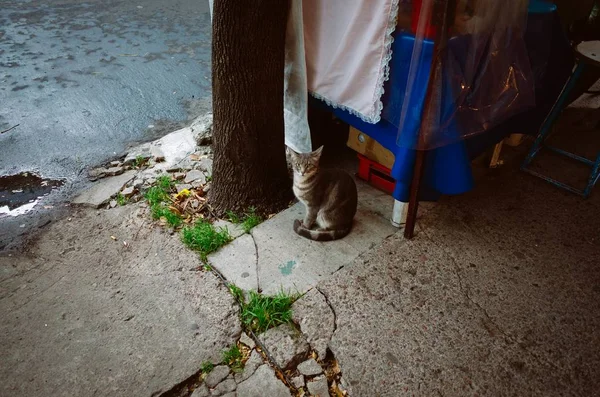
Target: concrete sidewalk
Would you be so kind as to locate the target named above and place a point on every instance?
(106, 304)
(497, 295)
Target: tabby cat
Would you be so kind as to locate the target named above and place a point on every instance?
(329, 196)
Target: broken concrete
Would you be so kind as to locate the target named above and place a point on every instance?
(173, 149)
(286, 345)
(298, 381)
(316, 320)
(195, 175)
(317, 387)
(263, 383)
(128, 191)
(182, 186)
(105, 304)
(248, 341)
(102, 191)
(310, 368)
(226, 386)
(217, 375)
(201, 391)
(251, 365)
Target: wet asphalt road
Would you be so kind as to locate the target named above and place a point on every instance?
(85, 79)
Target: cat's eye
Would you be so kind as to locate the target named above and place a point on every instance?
(298, 165)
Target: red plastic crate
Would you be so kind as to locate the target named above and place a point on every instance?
(375, 174)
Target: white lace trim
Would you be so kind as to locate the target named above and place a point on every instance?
(384, 73)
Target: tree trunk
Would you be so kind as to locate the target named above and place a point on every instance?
(248, 47)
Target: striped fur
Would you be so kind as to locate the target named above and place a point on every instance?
(329, 196)
(320, 235)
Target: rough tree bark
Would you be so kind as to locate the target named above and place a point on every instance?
(248, 47)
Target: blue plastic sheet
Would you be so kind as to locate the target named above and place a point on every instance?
(447, 169)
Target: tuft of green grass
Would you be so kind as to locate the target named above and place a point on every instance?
(248, 219)
(159, 210)
(207, 367)
(155, 195)
(204, 238)
(233, 217)
(139, 161)
(237, 293)
(165, 183)
(251, 219)
(121, 200)
(208, 268)
(263, 312)
(233, 358)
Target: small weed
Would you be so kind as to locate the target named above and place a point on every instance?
(121, 200)
(234, 358)
(233, 217)
(156, 195)
(209, 178)
(165, 183)
(204, 238)
(263, 312)
(237, 293)
(207, 367)
(251, 219)
(248, 220)
(139, 162)
(208, 268)
(159, 211)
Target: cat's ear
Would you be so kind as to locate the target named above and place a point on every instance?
(289, 151)
(317, 153)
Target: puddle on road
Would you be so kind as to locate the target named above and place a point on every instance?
(20, 193)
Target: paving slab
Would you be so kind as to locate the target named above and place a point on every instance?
(103, 190)
(282, 260)
(263, 383)
(286, 345)
(216, 376)
(250, 367)
(237, 262)
(291, 263)
(317, 387)
(105, 304)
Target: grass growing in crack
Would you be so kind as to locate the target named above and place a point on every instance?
(248, 219)
(233, 357)
(165, 183)
(207, 367)
(251, 219)
(139, 162)
(233, 217)
(161, 211)
(156, 195)
(121, 200)
(205, 238)
(237, 293)
(262, 312)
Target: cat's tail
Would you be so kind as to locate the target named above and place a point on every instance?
(320, 235)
